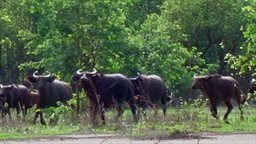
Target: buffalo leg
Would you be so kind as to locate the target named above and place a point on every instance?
(241, 112)
(144, 112)
(39, 113)
(42, 119)
(214, 110)
(230, 107)
(133, 108)
(93, 113)
(18, 110)
(120, 110)
(164, 105)
(36, 116)
(25, 111)
(102, 115)
(4, 112)
(9, 112)
(240, 105)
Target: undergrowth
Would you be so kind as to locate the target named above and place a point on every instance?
(190, 117)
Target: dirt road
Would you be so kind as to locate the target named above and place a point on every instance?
(110, 139)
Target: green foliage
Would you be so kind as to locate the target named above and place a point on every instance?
(192, 110)
(173, 39)
(55, 113)
(160, 53)
(245, 61)
(211, 26)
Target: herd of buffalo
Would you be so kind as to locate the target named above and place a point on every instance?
(108, 90)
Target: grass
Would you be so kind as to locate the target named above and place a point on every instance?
(188, 119)
(15, 130)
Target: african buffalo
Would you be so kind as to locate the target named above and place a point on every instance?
(252, 86)
(220, 88)
(106, 90)
(14, 96)
(50, 91)
(151, 90)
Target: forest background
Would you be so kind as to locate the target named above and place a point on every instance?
(174, 39)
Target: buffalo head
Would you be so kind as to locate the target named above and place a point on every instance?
(78, 74)
(91, 79)
(5, 91)
(41, 81)
(137, 84)
(200, 81)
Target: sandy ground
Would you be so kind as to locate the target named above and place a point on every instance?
(111, 139)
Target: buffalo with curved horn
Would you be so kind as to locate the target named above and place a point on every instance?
(106, 90)
(50, 91)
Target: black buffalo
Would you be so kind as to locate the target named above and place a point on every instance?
(220, 88)
(106, 90)
(151, 90)
(50, 91)
(251, 91)
(252, 86)
(14, 96)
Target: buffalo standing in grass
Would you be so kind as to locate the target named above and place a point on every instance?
(151, 90)
(50, 91)
(220, 88)
(14, 96)
(106, 90)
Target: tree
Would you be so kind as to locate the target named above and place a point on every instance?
(244, 62)
(11, 48)
(157, 51)
(211, 26)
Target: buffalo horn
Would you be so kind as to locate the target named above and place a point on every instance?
(79, 72)
(93, 72)
(47, 74)
(35, 74)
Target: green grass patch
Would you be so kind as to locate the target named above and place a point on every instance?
(187, 119)
(23, 130)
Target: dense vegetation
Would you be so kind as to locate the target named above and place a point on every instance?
(172, 38)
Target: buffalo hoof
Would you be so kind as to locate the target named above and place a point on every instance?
(215, 116)
(43, 122)
(226, 121)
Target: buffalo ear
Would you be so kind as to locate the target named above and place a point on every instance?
(140, 79)
(32, 79)
(76, 77)
(12, 86)
(208, 77)
(99, 75)
(51, 78)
